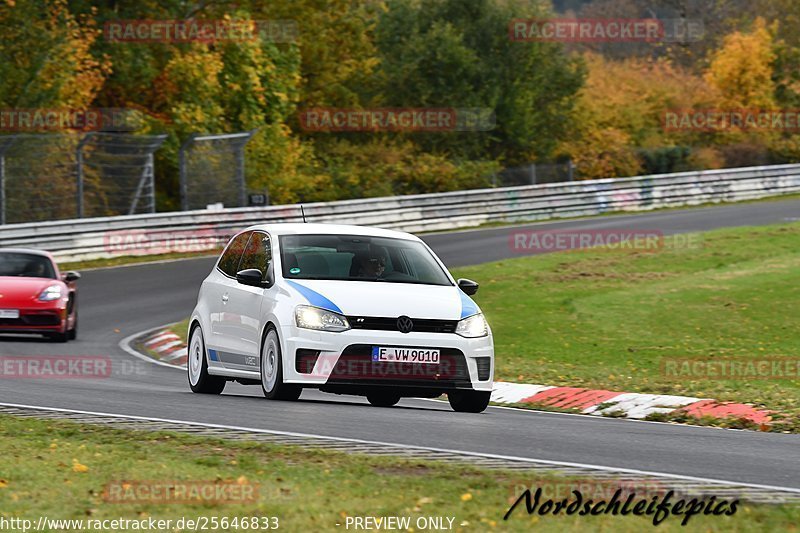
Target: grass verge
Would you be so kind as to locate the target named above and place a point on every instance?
(613, 319)
(65, 470)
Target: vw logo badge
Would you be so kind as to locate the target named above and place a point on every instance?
(404, 324)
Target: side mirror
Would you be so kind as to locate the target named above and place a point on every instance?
(70, 276)
(250, 276)
(468, 286)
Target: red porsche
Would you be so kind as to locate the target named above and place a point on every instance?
(35, 297)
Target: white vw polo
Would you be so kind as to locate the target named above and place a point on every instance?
(345, 309)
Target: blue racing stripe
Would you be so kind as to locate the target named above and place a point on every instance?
(212, 354)
(314, 298)
(468, 307)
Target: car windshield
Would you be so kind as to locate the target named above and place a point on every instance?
(359, 258)
(26, 265)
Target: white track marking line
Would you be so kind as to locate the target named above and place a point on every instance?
(428, 448)
(125, 345)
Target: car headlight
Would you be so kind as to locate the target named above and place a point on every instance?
(308, 317)
(53, 292)
(473, 326)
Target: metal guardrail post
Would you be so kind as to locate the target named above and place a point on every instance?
(148, 180)
(151, 170)
(182, 171)
(5, 144)
(79, 174)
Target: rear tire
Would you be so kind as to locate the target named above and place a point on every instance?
(200, 381)
(469, 401)
(272, 370)
(383, 399)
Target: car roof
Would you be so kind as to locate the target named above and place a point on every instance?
(331, 229)
(30, 251)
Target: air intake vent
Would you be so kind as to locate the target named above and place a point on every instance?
(484, 367)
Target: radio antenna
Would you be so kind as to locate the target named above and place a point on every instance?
(303, 212)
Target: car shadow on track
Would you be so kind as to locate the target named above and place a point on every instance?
(31, 338)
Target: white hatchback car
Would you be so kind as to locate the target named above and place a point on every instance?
(345, 309)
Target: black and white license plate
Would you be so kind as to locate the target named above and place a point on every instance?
(405, 355)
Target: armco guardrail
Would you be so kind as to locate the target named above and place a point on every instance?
(190, 230)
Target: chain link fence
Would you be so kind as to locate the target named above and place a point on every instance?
(65, 176)
(535, 173)
(212, 170)
(54, 176)
(118, 176)
(38, 177)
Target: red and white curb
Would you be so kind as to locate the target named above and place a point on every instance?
(624, 405)
(168, 348)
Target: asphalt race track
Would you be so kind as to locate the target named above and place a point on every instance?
(118, 302)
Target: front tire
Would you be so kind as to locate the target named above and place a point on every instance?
(469, 401)
(200, 381)
(61, 336)
(73, 333)
(272, 370)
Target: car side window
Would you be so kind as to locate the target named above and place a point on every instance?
(229, 261)
(257, 254)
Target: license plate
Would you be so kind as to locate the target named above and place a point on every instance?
(405, 355)
(9, 313)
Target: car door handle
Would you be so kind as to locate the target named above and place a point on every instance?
(224, 297)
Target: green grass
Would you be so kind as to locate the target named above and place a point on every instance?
(606, 319)
(61, 469)
(181, 329)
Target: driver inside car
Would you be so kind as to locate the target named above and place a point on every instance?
(371, 265)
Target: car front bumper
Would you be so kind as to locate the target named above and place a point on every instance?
(39, 320)
(342, 361)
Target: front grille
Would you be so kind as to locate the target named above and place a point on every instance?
(421, 325)
(484, 367)
(356, 367)
(32, 320)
